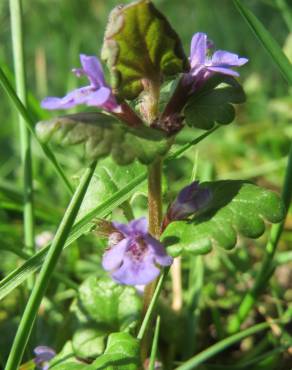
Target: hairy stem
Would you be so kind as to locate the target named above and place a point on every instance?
(155, 198)
(266, 268)
(155, 219)
(25, 142)
(38, 292)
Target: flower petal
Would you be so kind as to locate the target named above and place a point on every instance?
(114, 256)
(93, 69)
(43, 355)
(99, 97)
(223, 70)
(139, 226)
(198, 49)
(75, 97)
(134, 227)
(203, 66)
(136, 274)
(158, 251)
(122, 228)
(223, 58)
(46, 352)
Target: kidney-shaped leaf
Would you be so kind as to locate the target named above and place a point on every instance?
(65, 359)
(140, 45)
(103, 307)
(110, 305)
(104, 136)
(213, 103)
(122, 352)
(88, 341)
(236, 207)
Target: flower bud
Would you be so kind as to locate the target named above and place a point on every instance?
(190, 200)
(43, 355)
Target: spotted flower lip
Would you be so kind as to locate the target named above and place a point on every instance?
(96, 94)
(43, 355)
(190, 200)
(203, 65)
(136, 257)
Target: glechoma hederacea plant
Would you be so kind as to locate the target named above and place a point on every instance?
(153, 93)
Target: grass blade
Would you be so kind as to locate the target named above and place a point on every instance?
(222, 345)
(267, 40)
(153, 302)
(187, 146)
(27, 119)
(31, 309)
(25, 142)
(153, 355)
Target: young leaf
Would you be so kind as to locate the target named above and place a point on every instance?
(213, 103)
(236, 207)
(102, 308)
(122, 352)
(140, 45)
(103, 135)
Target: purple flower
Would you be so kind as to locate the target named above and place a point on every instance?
(43, 355)
(190, 199)
(96, 94)
(133, 257)
(204, 65)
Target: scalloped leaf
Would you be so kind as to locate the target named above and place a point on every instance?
(236, 208)
(103, 307)
(213, 103)
(122, 352)
(139, 45)
(102, 136)
(65, 359)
